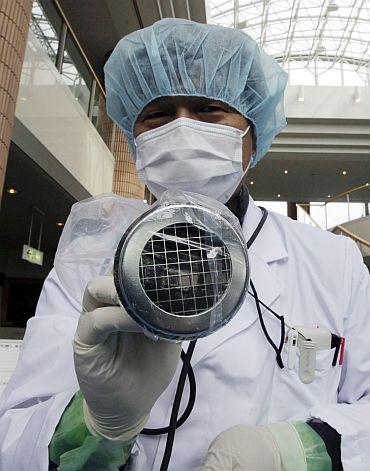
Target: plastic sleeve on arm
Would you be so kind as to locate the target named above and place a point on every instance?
(332, 440)
(300, 447)
(317, 457)
(74, 447)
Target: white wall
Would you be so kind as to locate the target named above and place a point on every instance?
(48, 109)
(327, 102)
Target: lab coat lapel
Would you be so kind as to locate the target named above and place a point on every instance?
(267, 248)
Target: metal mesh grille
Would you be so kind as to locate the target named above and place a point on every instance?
(185, 270)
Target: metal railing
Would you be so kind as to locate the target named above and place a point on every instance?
(64, 49)
(339, 227)
(76, 41)
(353, 236)
(338, 209)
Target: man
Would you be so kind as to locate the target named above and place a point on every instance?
(199, 104)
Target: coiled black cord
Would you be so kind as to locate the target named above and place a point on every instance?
(192, 395)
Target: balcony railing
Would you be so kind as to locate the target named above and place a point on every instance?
(354, 206)
(55, 33)
(344, 207)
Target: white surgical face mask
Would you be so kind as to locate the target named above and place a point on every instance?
(191, 155)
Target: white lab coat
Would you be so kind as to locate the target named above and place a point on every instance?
(308, 275)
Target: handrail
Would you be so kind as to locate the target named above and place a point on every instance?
(354, 236)
(70, 29)
(340, 227)
(343, 193)
(347, 192)
(309, 215)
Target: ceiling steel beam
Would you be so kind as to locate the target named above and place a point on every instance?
(230, 10)
(326, 58)
(188, 10)
(137, 11)
(37, 22)
(291, 32)
(350, 32)
(159, 6)
(264, 23)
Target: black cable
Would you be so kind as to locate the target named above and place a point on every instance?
(280, 318)
(279, 349)
(267, 307)
(192, 392)
(262, 322)
(189, 407)
(187, 370)
(192, 383)
(282, 335)
(176, 407)
(259, 227)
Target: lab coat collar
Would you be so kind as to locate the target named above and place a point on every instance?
(267, 248)
(269, 244)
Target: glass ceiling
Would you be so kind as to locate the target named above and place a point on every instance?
(44, 31)
(49, 38)
(317, 42)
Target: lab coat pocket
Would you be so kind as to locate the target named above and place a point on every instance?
(324, 362)
(324, 385)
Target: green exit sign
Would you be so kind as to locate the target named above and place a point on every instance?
(32, 255)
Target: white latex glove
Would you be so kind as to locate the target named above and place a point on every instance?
(243, 448)
(121, 372)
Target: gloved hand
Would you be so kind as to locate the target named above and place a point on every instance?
(242, 448)
(121, 372)
(274, 447)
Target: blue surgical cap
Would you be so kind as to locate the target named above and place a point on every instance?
(180, 57)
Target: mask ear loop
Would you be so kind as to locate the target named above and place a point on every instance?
(244, 133)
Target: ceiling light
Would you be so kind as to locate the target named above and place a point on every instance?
(344, 172)
(12, 191)
(60, 224)
(357, 94)
(301, 93)
(252, 182)
(329, 196)
(320, 48)
(333, 6)
(278, 195)
(241, 25)
(286, 172)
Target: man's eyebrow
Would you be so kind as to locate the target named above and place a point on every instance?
(161, 102)
(149, 107)
(164, 103)
(153, 104)
(217, 102)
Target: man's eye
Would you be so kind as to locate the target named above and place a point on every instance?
(155, 115)
(211, 109)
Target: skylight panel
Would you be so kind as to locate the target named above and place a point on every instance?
(310, 30)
